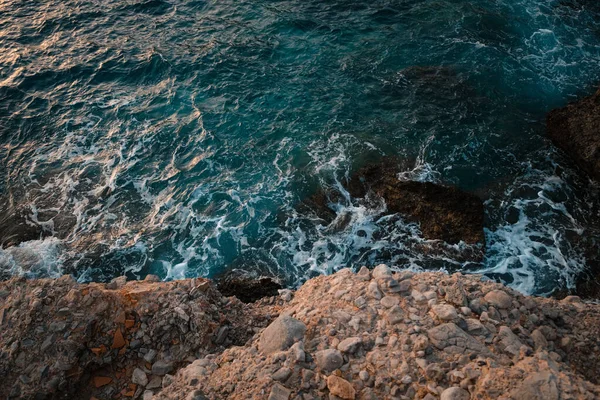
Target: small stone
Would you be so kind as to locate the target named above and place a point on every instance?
(147, 395)
(118, 340)
(363, 375)
(364, 274)
(539, 340)
(510, 342)
(59, 326)
(418, 296)
(455, 393)
(390, 301)
(349, 345)
(181, 314)
(445, 312)
(499, 299)
(279, 392)
(161, 368)
(329, 360)
(151, 278)
(282, 374)
(395, 315)
(154, 383)
(285, 294)
(340, 387)
(298, 353)
(360, 302)
(100, 381)
(373, 291)
(281, 334)
(139, 377)
(381, 271)
(149, 356)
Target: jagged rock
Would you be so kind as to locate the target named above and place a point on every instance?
(329, 359)
(538, 386)
(161, 368)
(340, 387)
(509, 341)
(443, 212)
(499, 299)
(405, 353)
(349, 345)
(450, 337)
(445, 312)
(279, 392)
(281, 334)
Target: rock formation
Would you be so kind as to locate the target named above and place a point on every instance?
(443, 212)
(576, 130)
(367, 335)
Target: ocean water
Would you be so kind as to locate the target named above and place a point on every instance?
(179, 137)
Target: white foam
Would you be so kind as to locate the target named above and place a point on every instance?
(34, 258)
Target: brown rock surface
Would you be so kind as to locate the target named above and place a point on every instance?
(187, 341)
(576, 130)
(443, 212)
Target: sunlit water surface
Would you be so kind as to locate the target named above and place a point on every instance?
(178, 137)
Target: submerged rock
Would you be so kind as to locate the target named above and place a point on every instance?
(576, 130)
(443, 212)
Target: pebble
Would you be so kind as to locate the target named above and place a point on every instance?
(373, 291)
(139, 377)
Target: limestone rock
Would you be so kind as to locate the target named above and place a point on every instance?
(340, 387)
(445, 312)
(279, 392)
(281, 334)
(329, 359)
(538, 386)
(499, 299)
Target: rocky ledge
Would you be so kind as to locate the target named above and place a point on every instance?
(367, 335)
(576, 130)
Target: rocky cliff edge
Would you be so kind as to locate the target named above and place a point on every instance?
(368, 335)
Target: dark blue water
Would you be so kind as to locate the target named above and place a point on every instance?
(179, 137)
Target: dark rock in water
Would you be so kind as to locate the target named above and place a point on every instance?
(576, 130)
(318, 204)
(339, 223)
(246, 287)
(444, 213)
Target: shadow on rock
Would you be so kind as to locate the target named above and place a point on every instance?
(246, 286)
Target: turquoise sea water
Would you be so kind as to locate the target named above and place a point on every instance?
(178, 137)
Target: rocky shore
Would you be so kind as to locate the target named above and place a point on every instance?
(374, 334)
